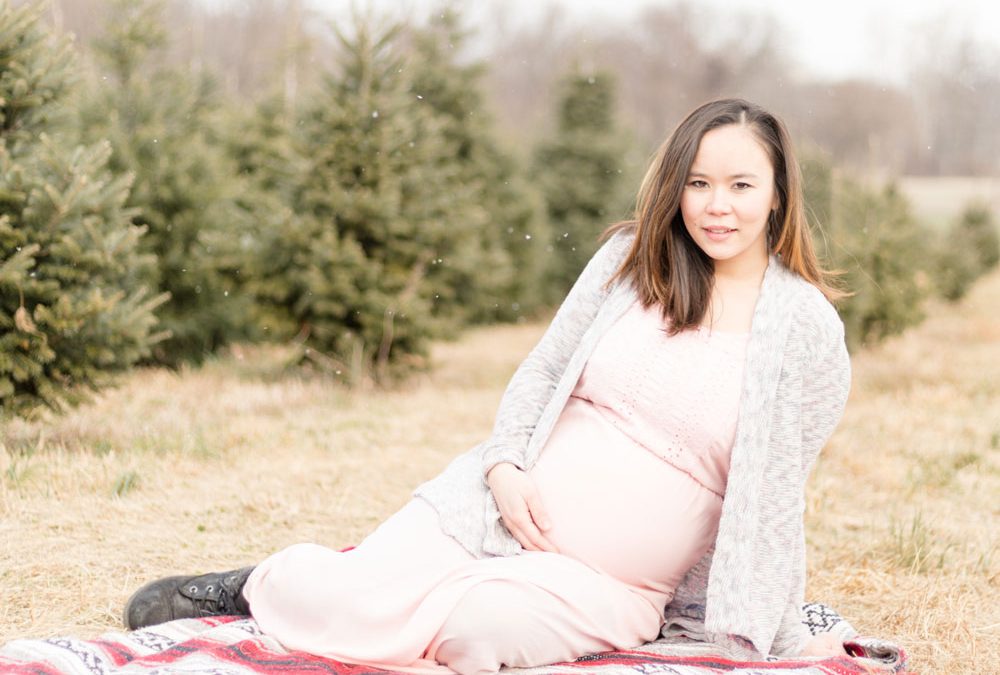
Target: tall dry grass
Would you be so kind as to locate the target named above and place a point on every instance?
(214, 468)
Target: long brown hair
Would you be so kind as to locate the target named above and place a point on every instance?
(664, 264)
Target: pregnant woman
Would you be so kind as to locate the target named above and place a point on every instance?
(648, 461)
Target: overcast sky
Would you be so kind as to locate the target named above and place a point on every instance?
(834, 39)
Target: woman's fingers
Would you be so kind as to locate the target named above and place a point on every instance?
(835, 645)
(525, 529)
(538, 521)
(538, 540)
(539, 516)
(520, 506)
(523, 539)
(532, 539)
(825, 644)
(518, 533)
(534, 519)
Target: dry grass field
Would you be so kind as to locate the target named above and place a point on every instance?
(214, 468)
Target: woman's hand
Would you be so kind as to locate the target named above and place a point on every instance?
(520, 506)
(824, 644)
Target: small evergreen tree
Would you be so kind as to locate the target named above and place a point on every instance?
(817, 186)
(387, 212)
(164, 128)
(268, 249)
(579, 173)
(504, 278)
(72, 307)
(382, 229)
(884, 253)
(978, 226)
(969, 249)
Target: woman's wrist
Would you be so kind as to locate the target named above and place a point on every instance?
(502, 466)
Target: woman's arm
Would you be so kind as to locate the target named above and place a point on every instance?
(533, 383)
(825, 387)
(514, 506)
(826, 383)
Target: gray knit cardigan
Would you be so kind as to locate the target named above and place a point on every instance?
(745, 594)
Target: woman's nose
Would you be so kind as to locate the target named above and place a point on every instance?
(719, 202)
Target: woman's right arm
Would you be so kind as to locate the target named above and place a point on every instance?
(518, 503)
(533, 383)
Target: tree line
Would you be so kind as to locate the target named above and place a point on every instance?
(936, 118)
(148, 218)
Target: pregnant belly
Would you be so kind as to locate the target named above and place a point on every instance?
(618, 507)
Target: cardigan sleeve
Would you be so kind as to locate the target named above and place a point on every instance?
(535, 379)
(825, 387)
(793, 634)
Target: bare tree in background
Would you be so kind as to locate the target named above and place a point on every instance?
(667, 67)
(661, 60)
(957, 89)
(261, 46)
(666, 60)
(863, 125)
(255, 47)
(655, 61)
(525, 64)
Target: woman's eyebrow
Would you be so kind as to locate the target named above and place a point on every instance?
(698, 174)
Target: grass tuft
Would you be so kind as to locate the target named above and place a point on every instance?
(914, 547)
(125, 483)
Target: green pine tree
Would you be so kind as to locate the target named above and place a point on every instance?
(817, 185)
(262, 256)
(884, 254)
(391, 213)
(979, 227)
(73, 310)
(969, 249)
(165, 128)
(363, 264)
(501, 275)
(580, 174)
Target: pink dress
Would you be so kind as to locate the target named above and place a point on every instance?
(632, 477)
(639, 456)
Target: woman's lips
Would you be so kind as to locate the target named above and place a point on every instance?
(718, 233)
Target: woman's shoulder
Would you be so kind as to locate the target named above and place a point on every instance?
(813, 311)
(612, 252)
(619, 240)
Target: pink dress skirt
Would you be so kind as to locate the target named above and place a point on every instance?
(628, 526)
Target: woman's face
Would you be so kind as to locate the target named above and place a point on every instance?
(728, 197)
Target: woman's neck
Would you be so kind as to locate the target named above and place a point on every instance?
(734, 296)
(742, 270)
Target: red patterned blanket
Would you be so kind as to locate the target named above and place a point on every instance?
(236, 646)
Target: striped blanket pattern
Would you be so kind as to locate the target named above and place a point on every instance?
(236, 646)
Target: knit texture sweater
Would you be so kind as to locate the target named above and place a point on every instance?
(746, 594)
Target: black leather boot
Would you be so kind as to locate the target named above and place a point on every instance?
(218, 594)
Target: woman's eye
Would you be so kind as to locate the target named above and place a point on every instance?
(698, 184)
(742, 186)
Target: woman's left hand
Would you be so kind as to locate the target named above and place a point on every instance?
(824, 644)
